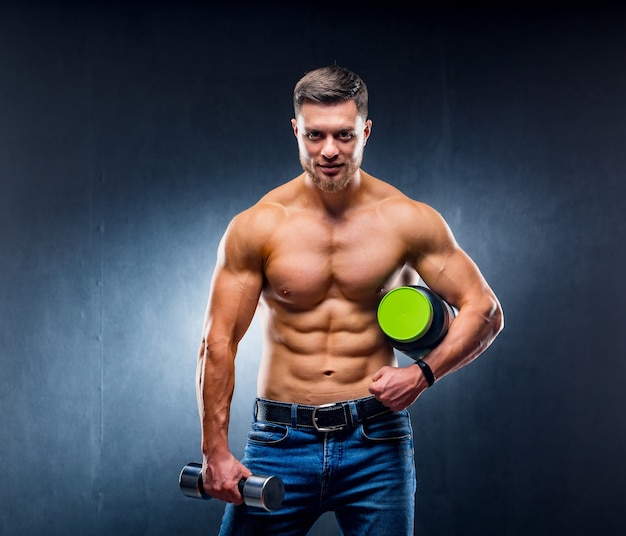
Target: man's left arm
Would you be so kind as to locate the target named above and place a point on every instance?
(452, 274)
(479, 320)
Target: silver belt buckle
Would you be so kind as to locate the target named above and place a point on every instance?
(334, 428)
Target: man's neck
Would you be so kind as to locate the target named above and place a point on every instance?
(335, 204)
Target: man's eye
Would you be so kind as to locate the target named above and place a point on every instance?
(313, 135)
(345, 136)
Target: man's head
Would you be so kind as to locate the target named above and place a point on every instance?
(329, 85)
(331, 126)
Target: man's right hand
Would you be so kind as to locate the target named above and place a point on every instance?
(221, 476)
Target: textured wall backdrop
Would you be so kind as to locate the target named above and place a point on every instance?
(131, 133)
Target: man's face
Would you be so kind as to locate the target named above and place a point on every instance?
(331, 138)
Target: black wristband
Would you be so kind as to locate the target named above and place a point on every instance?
(427, 371)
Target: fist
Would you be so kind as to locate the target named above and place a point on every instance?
(397, 388)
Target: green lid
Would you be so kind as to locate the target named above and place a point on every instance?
(405, 314)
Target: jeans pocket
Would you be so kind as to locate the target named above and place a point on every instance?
(390, 427)
(267, 433)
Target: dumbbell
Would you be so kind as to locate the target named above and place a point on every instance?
(265, 492)
(414, 319)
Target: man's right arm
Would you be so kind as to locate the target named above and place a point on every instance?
(235, 290)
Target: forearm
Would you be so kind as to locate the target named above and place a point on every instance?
(215, 381)
(471, 333)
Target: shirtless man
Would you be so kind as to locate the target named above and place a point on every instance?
(316, 255)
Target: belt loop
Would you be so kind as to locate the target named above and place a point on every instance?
(354, 414)
(255, 410)
(294, 415)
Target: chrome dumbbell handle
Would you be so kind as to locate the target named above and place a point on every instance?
(265, 492)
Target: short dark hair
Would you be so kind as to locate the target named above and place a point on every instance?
(331, 84)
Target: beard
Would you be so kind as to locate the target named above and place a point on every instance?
(336, 183)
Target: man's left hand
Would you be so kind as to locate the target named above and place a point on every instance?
(397, 388)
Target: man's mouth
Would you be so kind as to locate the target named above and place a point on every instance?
(330, 169)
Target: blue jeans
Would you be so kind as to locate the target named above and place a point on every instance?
(365, 474)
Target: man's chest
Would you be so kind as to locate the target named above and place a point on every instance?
(308, 261)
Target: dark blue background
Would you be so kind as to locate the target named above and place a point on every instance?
(130, 133)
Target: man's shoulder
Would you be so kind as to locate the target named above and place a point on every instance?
(282, 195)
(403, 213)
(384, 191)
(391, 199)
(264, 214)
(258, 222)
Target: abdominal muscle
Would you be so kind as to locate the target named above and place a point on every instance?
(320, 356)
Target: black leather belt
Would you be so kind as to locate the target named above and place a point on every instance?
(325, 418)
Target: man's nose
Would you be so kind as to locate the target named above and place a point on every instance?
(329, 149)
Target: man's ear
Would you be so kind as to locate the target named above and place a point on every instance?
(367, 131)
(294, 126)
